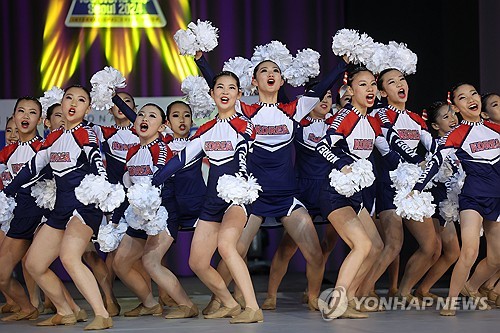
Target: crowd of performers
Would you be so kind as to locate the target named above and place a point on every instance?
(293, 161)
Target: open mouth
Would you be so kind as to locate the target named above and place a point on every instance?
(473, 107)
(370, 98)
(25, 124)
(324, 106)
(71, 111)
(402, 93)
(453, 125)
(224, 100)
(270, 82)
(182, 127)
(143, 127)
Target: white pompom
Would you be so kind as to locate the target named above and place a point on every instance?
(237, 190)
(444, 172)
(50, 97)
(5, 226)
(44, 193)
(274, 51)
(197, 91)
(358, 48)
(115, 197)
(448, 209)
(402, 58)
(379, 60)
(109, 237)
(304, 66)
(342, 183)
(197, 37)
(414, 207)
(243, 68)
(206, 35)
(361, 176)
(186, 42)
(362, 173)
(158, 223)
(405, 176)
(145, 199)
(97, 190)
(104, 84)
(133, 220)
(7, 205)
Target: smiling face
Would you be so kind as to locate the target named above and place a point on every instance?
(492, 108)
(148, 124)
(11, 134)
(323, 107)
(446, 120)
(180, 120)
(115, 111)
(467, 101)
(75, 105)
(27, 116)
(363, 89)
(267, 77)
(56, 119)
(395, 88)
(225, 93)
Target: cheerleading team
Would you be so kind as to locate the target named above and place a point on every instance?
(72, 152)
(475, 143)
(271, 163)
(411, 129)
(226, 141)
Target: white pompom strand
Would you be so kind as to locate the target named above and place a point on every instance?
(158, 223)
(108, 238)
(243, 68)
(186, 42)
(361, 176)
(7, 205)
(405, 176)
(145, 199)
(415, 207)
(362, 173)
(97, 190)
(206, 35)
(197, 91)
(44, 193)
(448, 209)
(237, 190)
(342, 183)
(114, 198)
(304, 66)
(50, 97)
(133, 220)
(5, 226)
(274, 51)
(104, 84)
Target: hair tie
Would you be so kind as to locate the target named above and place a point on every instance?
(448, 99)
(344, 81)
(424, 115)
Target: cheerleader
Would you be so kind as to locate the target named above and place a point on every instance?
(491, 107)
(11, 132)
(476, 143)
(311, 171)
(441, 120)
(351, 137)
(226, 141)
(72, 153)
(272, 163)
(411, 129)
(27, 215)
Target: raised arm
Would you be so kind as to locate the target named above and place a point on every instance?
(124, 108)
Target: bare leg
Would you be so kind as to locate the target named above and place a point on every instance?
(451, 252)
(301, 229)
(154, 250)
(203, 248)
(11, 252)
(393, 241)
(75, 240)
(42, 252)
(100, 271)
(425, 256)
(329, 241)
(131, 250)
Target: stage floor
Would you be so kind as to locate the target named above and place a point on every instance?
(290, 316)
